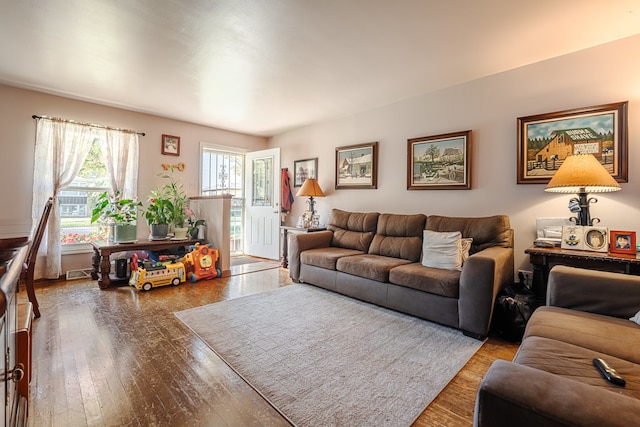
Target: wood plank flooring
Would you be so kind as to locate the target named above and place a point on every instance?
(120, 357)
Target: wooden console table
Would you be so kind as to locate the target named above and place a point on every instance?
(543, 259)
(103, 249)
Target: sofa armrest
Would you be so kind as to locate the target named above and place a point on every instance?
(299, 242)
(600, 292)
(483, 275)
(512, 394)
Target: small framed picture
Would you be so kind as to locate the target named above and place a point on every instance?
(572, 237)
(596, 239)
(171, 145)
(622, 242)
(303, 169)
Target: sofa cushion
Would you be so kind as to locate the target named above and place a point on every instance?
(433, 280)
(636, 318)
(374, 267)
(576, 363)
(443, 250)
(326, 257)
(485, 231)
(604, 334)
(398, 236)
(352, 230)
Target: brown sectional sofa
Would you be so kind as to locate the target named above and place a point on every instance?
(377, 258)
(552, 380)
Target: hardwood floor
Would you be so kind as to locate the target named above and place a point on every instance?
(120, 357)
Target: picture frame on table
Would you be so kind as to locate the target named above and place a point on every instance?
(572, 237)
(596, 239)
(303, 169)
(170, 145)
(439, 162)
(622, 242)
(357, 166)
(545, 140)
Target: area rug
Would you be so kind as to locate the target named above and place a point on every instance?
(320, 358)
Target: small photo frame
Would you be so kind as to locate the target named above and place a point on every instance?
(357, 166)
(596, 239)
(170, 145)
(572, 237)
(303, 169)
(622, 242)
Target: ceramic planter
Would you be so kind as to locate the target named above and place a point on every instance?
(181, 232)
(124, 233)
(159, 231)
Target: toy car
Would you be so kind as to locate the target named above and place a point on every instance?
(201, 262)
(149, 276)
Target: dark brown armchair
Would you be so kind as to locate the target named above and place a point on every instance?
(28, 269)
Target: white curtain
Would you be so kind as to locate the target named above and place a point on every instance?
(61, 149)
(121, 157)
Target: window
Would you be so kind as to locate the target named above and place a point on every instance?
(77, 200)
(223, 173)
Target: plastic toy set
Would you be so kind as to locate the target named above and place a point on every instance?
(199, 263)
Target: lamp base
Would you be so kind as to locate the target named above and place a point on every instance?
(584, 216)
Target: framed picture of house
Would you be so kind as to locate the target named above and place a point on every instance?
(545, 140)
(303, 169)
(439, 162)
(171, 145)
(622, 242)
(357, 166)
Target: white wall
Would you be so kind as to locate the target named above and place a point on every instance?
(489, 107)
(17, 140)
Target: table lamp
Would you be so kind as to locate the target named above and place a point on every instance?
(311, 189)
(582, 174)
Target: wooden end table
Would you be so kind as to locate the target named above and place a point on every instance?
(284, 262)
(543, 259)
(103, 249)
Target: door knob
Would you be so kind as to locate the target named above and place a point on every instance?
(16, 374)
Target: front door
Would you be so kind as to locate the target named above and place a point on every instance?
(262, 202)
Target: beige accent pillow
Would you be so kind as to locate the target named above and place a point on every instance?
(442, 250)
(466, 247)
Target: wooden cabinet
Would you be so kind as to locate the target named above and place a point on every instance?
(14, 411)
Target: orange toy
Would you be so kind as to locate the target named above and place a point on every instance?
(201, 262)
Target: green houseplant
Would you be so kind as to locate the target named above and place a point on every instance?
(166, 206)
(118, 213)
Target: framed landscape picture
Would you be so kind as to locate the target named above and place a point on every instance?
(545, 140)
(357, 166)
(439, 162)
(303, 169)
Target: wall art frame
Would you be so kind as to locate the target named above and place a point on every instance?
(439, 162)
(303, 169)
(357, 166)
(622, 242)
(545, 140)
(170, 145)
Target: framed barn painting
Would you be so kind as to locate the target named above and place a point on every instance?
(357, 166)
(439, 162)
(545, 140)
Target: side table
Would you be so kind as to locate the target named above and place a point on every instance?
(542, 259)
(284, 262)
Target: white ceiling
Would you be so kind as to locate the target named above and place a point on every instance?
(265, 66)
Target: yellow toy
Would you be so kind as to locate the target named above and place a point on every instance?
(201, 262)
(154, 276)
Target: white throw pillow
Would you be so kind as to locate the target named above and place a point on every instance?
(636, 318)
(442, 250)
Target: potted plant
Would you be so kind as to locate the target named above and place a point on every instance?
(118, 213)
(167, 207)
(158, 214)
(194, 224)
